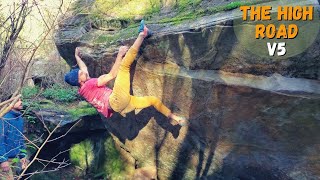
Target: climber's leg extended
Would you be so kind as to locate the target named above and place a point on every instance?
(147, 101)
(120, 97)
(121, 101)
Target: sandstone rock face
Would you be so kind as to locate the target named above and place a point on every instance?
(250, 117)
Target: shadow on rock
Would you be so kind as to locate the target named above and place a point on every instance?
(129, 127)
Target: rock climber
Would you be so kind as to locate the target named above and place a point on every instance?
(118, 99)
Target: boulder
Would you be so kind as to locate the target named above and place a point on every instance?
(250, 117)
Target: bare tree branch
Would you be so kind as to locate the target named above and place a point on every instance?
(43, 19)
(39, 150)
(52, 170)
(11, 29)
(16, 23)
(65, 133)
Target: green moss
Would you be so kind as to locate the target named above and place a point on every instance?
(179, 19)
(103, 38)
(82, 155)
(93, 158)
(123, 34)
(77, 112)
(114, 166)
(39, 103)
(234, 5)
(189, 15)
(82, 109)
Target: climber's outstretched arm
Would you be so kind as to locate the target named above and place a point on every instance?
(82, 66)
(104, 79)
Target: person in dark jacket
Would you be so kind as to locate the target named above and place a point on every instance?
(12, 143)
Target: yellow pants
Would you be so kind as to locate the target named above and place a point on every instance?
(120, 99)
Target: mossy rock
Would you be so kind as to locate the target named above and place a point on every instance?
(99, 158)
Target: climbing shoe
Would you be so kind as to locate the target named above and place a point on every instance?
(143, 28)
(183, 121)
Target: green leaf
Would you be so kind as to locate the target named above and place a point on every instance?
(23, 150)
(15, 160)
(31, 146)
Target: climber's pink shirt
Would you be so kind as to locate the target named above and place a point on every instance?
(96, 96)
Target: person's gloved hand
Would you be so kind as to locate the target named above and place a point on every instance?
(5, 166)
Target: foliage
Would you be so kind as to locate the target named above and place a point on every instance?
(30, 105)
(155, 7)
(125, 9)
(31, 149)
(15, 160)
(56, 92)
(81, 7)
(31, 119)
(10, 29)
(60, 93)
(30, 92)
